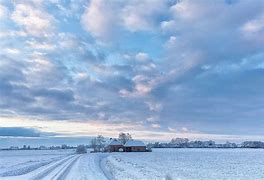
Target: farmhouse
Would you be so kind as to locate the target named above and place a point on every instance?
(115, 146)
(135, 146)
(130, 146)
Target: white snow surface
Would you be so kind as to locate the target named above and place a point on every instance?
(18, 162)
(114, 142)
(131, 143)
(161, 164)
(188, 164)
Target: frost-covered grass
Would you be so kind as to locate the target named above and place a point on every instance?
(161, 164)
(19, 162)
(190, 164)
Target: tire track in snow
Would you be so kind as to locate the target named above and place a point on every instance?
(50, 169)
(106, 172)
(67, 168)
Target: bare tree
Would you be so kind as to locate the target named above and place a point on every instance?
(81, 149)
(94, 144)
(98, 143)
(124, 137)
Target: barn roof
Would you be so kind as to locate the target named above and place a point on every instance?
(114, 142)
(132, 143)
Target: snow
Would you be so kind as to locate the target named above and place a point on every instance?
(131, 143)
(161, 164)
(190, 164)
(17, 162)
(115, 142)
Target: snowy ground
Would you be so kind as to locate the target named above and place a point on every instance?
(23, 161)
(190, 164)
(166, 164)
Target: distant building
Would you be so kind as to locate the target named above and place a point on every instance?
(14, 148)
(42, 148)
(130, 146)
(115, 146)
(135, 146)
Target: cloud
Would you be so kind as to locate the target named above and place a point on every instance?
(192, 64)
(155, 126)
(100, 18)
(19, 132)
(253, 29)
(141, 56)
(33, 20)
(3, 11)
(136, 18)
(113, 19)
(40, 46)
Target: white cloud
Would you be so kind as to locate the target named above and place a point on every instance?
(140, 90)
(12, 33)
(254, 29)
(108, 19)
(11, 50)
(40, 45)
(172, 129)
(171, 42)
(184, 129)
(156, 126)
(167, 25)
(3, 11)
(140, 15)
(154, 106)
(153, 118)
(36, 22)
(254, 25)
(100, 18)
(141, 56)
(139, 78)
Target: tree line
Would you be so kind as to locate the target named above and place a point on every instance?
(186, 143)
(98, 143)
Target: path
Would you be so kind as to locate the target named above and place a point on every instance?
(73, 167)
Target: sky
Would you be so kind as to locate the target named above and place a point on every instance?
(154, 68)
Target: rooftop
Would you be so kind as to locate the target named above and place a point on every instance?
(114, 142)
(134, 143)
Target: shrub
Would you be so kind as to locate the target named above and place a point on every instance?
(81, 149)
(168, 177)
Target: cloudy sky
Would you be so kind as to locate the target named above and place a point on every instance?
(155, 68)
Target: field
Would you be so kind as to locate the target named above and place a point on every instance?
(167, 164)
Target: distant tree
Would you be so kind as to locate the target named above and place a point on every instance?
(253, 144)
(94, 144)
(64, 146)
(156, 145)
(168, 177)
(179, 142)
(100, 141)
(149, 147)
(81, 149)
(124, 137)
(24, 147)
(28, 147)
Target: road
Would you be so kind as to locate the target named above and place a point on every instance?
(73, 167)
(57, 170)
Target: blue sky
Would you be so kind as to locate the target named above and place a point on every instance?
(155, 68)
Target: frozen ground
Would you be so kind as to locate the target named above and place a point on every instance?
(166, 164)
(189, 164)
(23, 161)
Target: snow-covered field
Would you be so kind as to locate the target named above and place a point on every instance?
(19, 162)
(166, 164)
(189, 164)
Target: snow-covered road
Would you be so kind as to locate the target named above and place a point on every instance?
(161, 164)
(72, 167)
